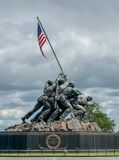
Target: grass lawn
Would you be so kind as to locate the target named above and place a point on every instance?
(56, 154)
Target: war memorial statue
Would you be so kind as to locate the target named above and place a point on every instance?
(60, 98)
(62, 107)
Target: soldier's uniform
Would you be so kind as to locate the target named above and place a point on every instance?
(49, 103)
(61, 86)
(83, 100)
(63, 99)
(42, 101)
(78, 104)
(69, 93)
(51, 93)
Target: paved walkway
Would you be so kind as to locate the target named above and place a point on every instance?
(59, 158)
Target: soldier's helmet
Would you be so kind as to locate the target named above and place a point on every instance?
(50, 82)
(61, 81)
(89, 98)
(71, 84)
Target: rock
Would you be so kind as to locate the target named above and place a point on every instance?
(74, 125)
(59, 126)
(97, 128)
(69, 125)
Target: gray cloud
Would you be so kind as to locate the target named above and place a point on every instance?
(84, 35)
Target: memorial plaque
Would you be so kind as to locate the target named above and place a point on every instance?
(53, 141)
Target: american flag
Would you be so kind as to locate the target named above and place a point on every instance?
(41, 38)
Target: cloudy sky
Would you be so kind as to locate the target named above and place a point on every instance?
(85, 36)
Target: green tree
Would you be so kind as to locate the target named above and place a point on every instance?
(94, 113)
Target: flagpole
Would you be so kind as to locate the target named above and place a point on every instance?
(50, 45)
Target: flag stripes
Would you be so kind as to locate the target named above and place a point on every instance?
(41, 38)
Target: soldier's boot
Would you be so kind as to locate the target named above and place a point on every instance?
(23, 120)
(53, 115)
(25, 117)
(44, 114)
